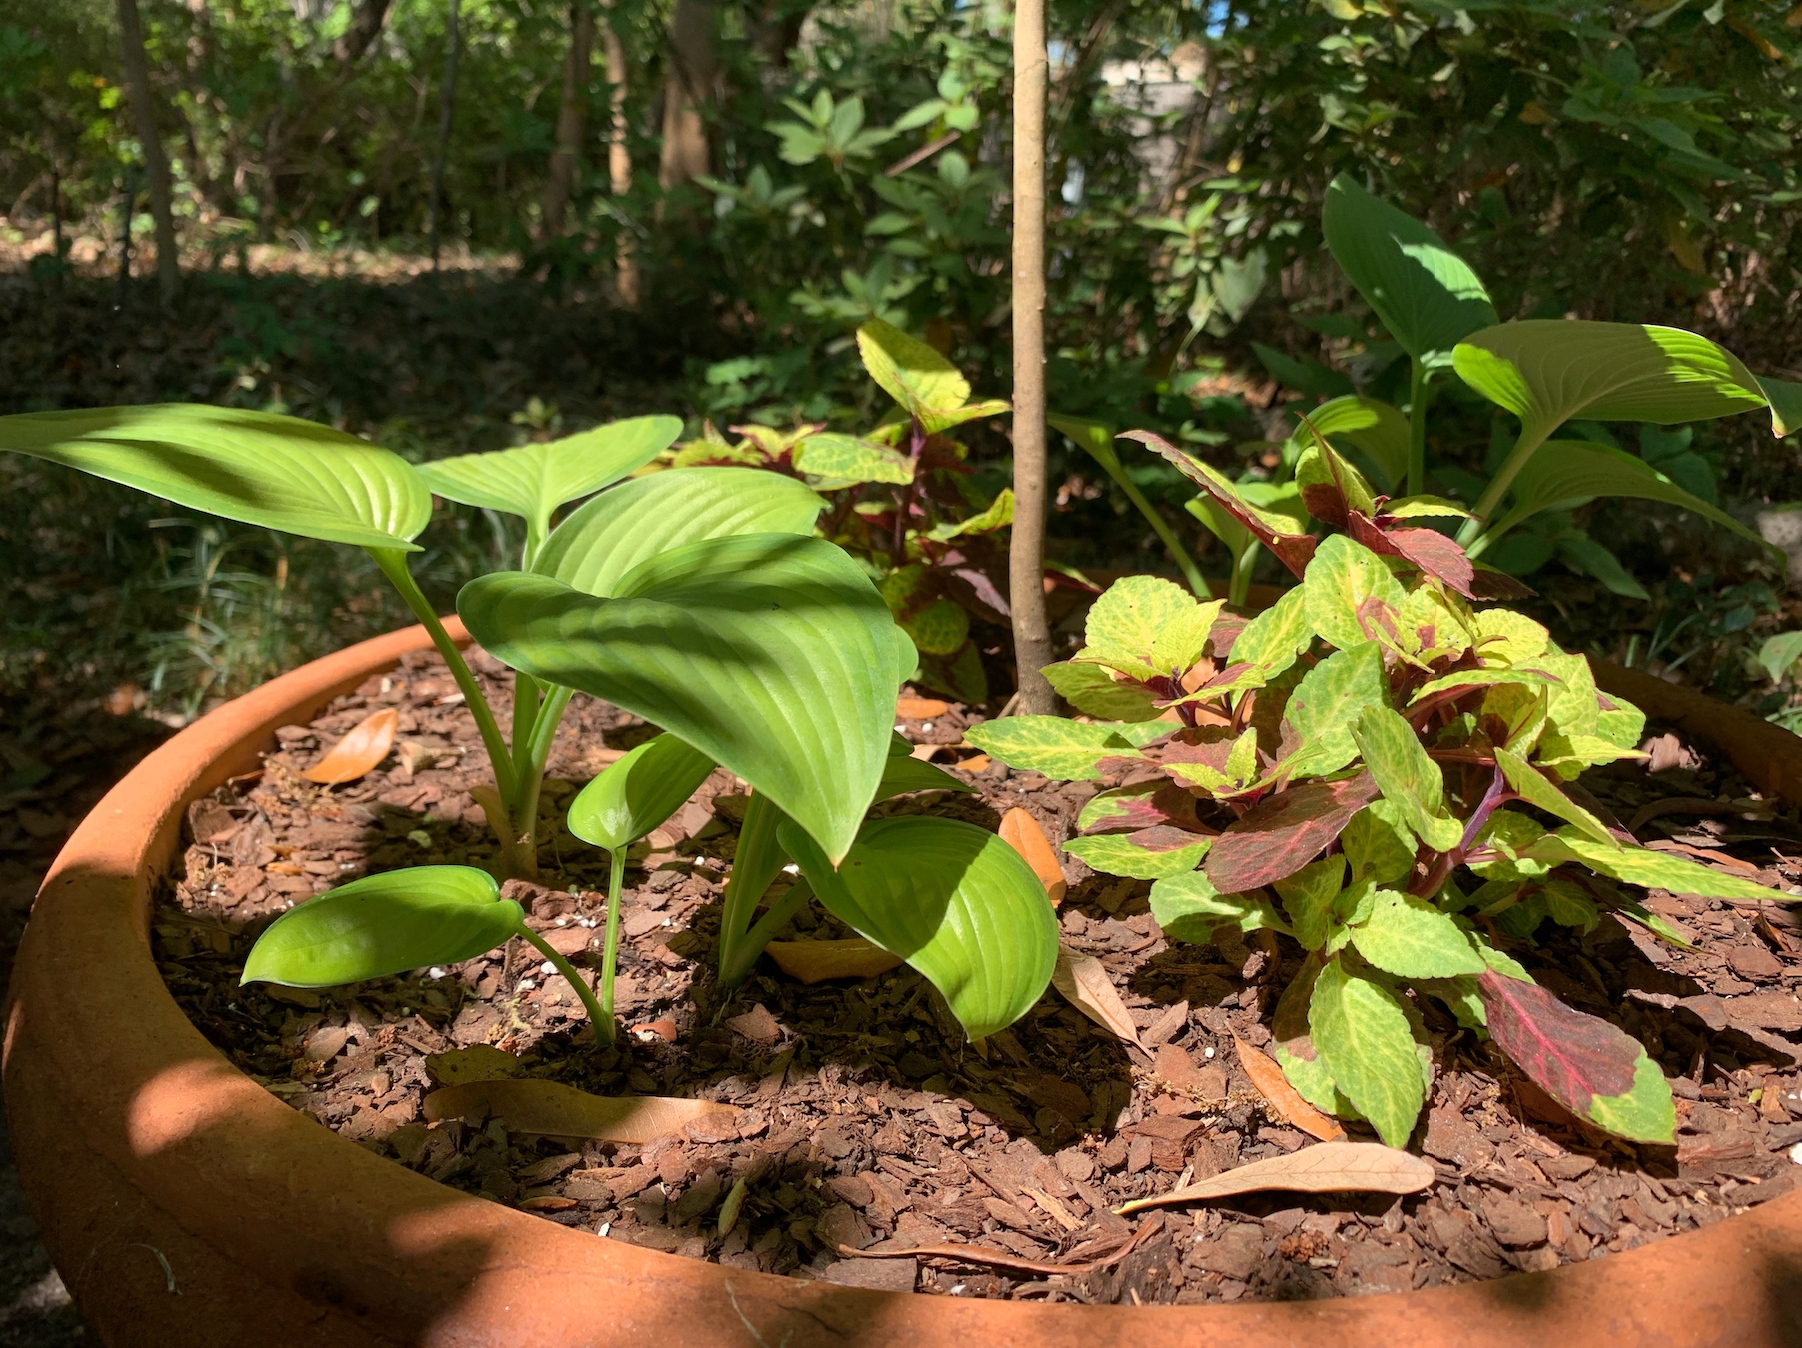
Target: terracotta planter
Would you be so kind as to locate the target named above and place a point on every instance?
(188, 1208)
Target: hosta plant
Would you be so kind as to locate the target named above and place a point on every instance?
(1381, 771)
(696, 598)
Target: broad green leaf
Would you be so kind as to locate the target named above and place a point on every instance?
(1409, 936)
(1525, 781)
(532, 480)
(1342, 577)
(1063, 749)
(1425, 294)
(940, 628)
(1378, 844)
(1562, 474)
(844, 460)
(1522, 710)
(1371, 425)
(1571, 702)
(1785, 399)
(1654, 870)
(384, 924)
(1656, 923)
(1308, 897)
(1271, 641)
(1409, 779)
(254, 467)
(1507, 636)
(1425, 507)
(902, 773)
(1097, 437)
(1621, 724)
(638, 792)
(1141, 804)
(928, 387)
(1152, 621)
(771, 654)
(1292, 1045)
(1779, 654)
(1149, 854)
(1331, 697)
(604, 539)
(1584, 1063)
(1362, 1033)
(1481, 678)
(999, 515)
(1090, 688)
(956, 902)
(1189, 908)
(1547, 371)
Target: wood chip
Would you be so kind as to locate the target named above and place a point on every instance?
(1085, 985)
(366, 745)
(1020, 830)
(757, 1025)
(1326, 1167)
(817, 961)
(1284, 1098)
(982, 1254)
(553, 1109)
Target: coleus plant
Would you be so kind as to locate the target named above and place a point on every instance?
(904, 504)
(696, 598)
(1384, 773)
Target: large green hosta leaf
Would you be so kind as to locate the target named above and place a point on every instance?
(772, 655)
(384, 924)
(1567, 473)
(1548, 370)
(1426, 295)
(533, 480)
(279, 472)
(954, 901)
(1371, 425)
(613, 533)
(638, 792)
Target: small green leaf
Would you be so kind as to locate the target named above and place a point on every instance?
(604, 539)
(1189, 908)
(1340, 579)
(1152, 621)
(638, 792)
(1362, 1034)
(1653, 870)
(1271, 641)
(1150, 854)
(956, 902)
(1645, 1110)
(928, 387)
(1090, 688)
(1507, 636)
(902, 773)
(771, 654)
(1329, 700)
(1409, 780)
(1408, 936)
(254, 467)
(1571, 702)
(940, 628)
(1525, 782)
(1549, 371)
(532, 480)
(384, 924)
(845, 460)
(1308, 897)
(1425, 294)
(1066, 750)
(1322, 473)
(1378, 844)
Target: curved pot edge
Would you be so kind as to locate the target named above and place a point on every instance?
(129, 1125)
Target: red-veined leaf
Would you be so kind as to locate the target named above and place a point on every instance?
(1292, 549)
(1278, 836)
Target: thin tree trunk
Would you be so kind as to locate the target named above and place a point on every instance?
(571, 119)
(693, 69)
(1026, 551)
(156, 162)
(366, 21)
(619, 157)
(446, 104)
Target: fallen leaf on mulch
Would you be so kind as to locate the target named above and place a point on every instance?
(757, 1025)
(548, 1107)
(478, 1062)
(1022, 832)
(1085, 985)
(1274, 1086)
(817, 961)
(1327, 1167)
(920, 708)
(366, 745)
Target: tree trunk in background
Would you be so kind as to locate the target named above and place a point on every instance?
(693, 69)
(778, 30)
(571, 119)
(1026, 550)
(156, 162)
(619, 157)
(366, 21)
(446, 106)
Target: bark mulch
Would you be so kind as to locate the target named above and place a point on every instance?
(868, 1121)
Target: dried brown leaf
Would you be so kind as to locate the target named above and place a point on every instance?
(1268, 1077)
(1022, 832)
(1085, 985)
(366, 745)
(556, 1110)
(1326, 1167)
(920, 708)
(817, 961)
(478, 1062)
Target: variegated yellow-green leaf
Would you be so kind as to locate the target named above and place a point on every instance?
(1151, 621)
(928, 387)
(1308, 897)
(1149, 854)
(1524, 780)
(1060, 748)
(1654, 870)
(1090, 688)
(1378, 844)
(1412, 937)
(1362, 1034)
(1343, 577)
(843, 460)
(1371, 425)
(1271, 641)
(1409, 780)
(1329, 700)
(1189, 908)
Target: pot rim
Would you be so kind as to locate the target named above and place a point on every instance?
(267, 1219)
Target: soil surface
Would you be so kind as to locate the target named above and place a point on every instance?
(869, 1123)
